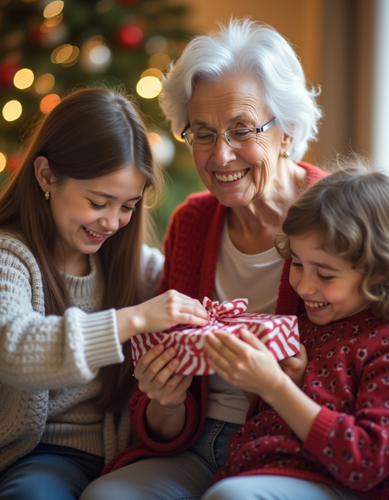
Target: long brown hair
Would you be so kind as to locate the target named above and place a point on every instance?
(91, 133)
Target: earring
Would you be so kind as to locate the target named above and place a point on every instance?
(47, 195)
(286, 154)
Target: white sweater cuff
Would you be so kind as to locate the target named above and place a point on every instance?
(102, 346)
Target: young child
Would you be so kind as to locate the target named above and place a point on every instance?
(328, 439)
(74, 275)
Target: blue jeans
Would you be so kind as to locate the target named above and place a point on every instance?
(50, 472)
(189, 476)
(274, 488)
(186, 475)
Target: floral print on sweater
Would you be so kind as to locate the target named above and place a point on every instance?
(348, 444)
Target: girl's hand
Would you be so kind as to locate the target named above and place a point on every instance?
(160, 313)
(244, 362)
(156, 377)
(295, 366)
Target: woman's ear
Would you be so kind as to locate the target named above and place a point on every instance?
(286, 145)
(43, 173)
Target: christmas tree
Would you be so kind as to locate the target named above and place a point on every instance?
(48, 47)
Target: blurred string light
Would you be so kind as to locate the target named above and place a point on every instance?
(95, 55)
(159, 60)
(12, 110)
(162, 147)
(3, 161)
(23, 79)
(44, 83)
(53, 9)
(51, 23)
(155, 44)
(66, 54)
(149, 87)
(152, 72)
(48, 103)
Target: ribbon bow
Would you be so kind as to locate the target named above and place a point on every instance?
(219, 311)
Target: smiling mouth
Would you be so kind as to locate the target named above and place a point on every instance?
(96, 235)
(315, 305)
(231, 177)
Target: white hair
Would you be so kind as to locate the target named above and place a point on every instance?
(246, 47)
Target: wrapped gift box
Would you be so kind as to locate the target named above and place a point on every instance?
(279, 334)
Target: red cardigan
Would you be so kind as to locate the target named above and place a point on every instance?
(191, 249)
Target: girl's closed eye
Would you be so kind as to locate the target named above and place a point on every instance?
(324, 278)
(97, 206)
(296, 264)
(129, 209)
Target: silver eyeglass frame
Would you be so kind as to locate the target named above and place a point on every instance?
(258, 130)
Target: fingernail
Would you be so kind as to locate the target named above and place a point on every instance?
(171, 352)
(159, 347)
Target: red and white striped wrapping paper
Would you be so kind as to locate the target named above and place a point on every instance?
(279, 333)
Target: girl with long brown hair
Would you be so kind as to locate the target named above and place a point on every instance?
(77, 282)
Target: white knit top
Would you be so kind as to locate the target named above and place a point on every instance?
(49, 364)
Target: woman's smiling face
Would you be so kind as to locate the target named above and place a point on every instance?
(236, 177)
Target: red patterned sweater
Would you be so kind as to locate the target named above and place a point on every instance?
(348, 444)
(191, 249)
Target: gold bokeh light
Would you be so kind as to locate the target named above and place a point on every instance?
(160, 61)
(152, 72)
(23, 79)
(149, 87)
(3, 161)
(12, 110)
(53, 9)
(61, 53)
(44, 83)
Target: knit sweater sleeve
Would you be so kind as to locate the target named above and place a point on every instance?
(354, 447)
(39, 352)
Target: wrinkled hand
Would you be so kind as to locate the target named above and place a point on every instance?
(295, 366)
(156, 376)
(244, 362)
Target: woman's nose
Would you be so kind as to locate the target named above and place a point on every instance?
(222, 152)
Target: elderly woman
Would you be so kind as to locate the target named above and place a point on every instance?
(239, 99)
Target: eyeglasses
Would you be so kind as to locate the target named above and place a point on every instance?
(236, 137)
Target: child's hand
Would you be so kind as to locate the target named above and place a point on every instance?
(244, 362)
(295, 366)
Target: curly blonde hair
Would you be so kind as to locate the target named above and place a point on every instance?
(349, 210)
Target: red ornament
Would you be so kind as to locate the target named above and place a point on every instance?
(7, 73)
(130, 37)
